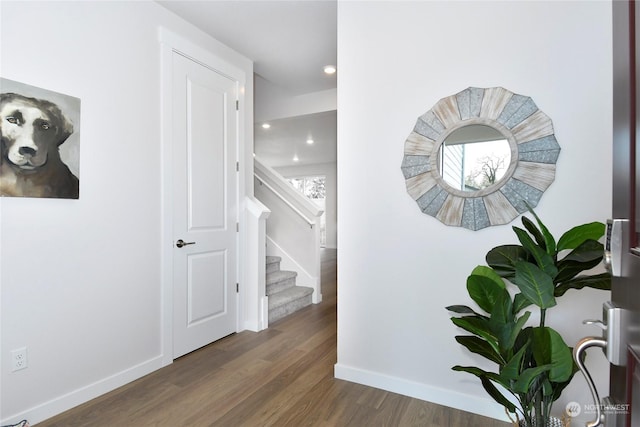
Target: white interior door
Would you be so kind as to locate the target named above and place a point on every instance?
(204, 205)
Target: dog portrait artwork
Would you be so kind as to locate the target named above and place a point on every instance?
(33, 129)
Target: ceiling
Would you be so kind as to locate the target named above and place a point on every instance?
(290, 42)
(287, 138)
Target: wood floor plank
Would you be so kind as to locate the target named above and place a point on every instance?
(264, 405)
(327, 403)
(416, 414)
(279, 377)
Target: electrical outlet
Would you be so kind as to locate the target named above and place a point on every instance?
(19, 359)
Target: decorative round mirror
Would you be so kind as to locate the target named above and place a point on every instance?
(479, 157)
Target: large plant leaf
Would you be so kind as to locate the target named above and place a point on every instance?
(471, 370)
(520, 302)
(531, 228)
(586, 256)
(489, 273)
(550, 349)
(501, 312)
(534, 284)
(477, 326)
(598, 281)
(577, 235)
(485, 291)
(496, 395)
(567, 270)
(541, 346)
(463, 309)
(511, 370)
(482, 373)
(541, 257)
(503, 259)
(524, 337)
(528, 376)
(516, 330)
(562, 362)
(550, 242)
(587, 251)
(491, 389)
(502, 322)
(558, 387)
(479, 346)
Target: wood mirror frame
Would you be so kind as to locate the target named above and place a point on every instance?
(534, 153)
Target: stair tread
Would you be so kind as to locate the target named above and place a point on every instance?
(273, 259)
(289, 294)
(279, 275)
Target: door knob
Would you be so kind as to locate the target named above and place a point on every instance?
(578, 357)
(180, 243)
(615, 326)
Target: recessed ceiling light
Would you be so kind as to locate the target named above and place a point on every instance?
(266, 126)
(295, 158)
(310, 141)
(329, 69)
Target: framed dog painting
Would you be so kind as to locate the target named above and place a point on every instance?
(39, 142)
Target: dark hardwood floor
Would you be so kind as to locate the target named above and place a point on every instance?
(282, 376)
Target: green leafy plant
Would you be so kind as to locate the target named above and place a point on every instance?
(534, 362)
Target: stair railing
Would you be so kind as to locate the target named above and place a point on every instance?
(284, 199)
(293, 228)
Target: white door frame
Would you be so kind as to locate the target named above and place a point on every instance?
(170, 43)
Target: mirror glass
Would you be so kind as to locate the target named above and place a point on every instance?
(474, 157)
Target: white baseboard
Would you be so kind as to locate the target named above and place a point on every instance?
(77, 397)
(453, 399)
(263, 322)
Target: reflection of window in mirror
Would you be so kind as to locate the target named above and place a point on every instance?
(474, 157)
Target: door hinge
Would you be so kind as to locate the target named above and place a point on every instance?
(237, 227)
(237, 105)
(237, 287)
(237, 166)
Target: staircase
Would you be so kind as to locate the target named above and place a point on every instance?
(284, 296)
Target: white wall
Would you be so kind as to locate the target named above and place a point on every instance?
(399, 268)
(331, 186)
(81, 280)
(273, 102)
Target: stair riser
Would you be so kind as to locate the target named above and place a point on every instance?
(281, 285)
(289, 308)
(285, 297)
(272, 267)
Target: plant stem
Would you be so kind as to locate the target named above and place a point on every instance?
(543, 314)
(539, 411)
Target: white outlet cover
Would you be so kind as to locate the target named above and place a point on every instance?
(19, 359)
